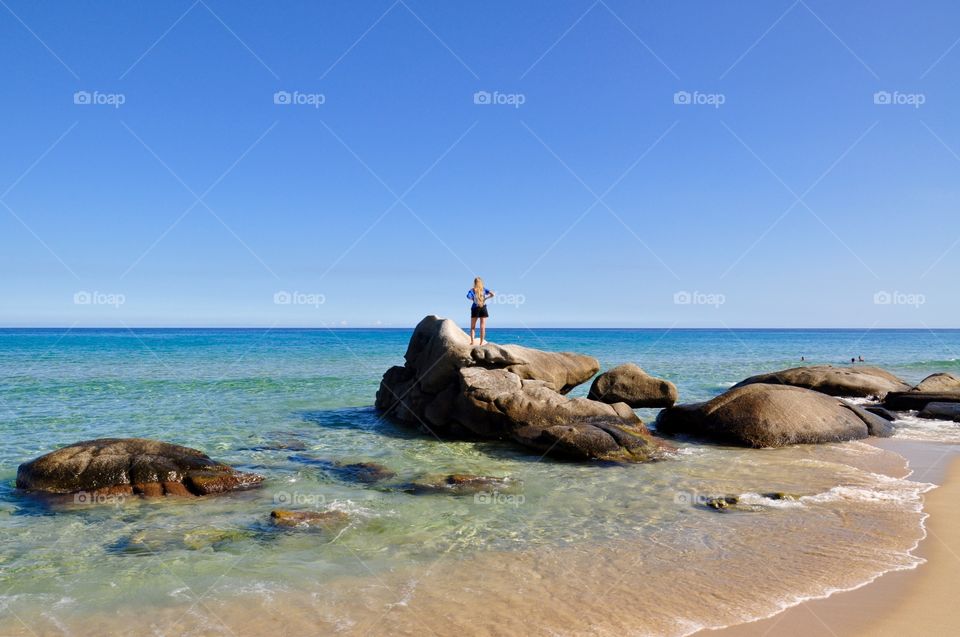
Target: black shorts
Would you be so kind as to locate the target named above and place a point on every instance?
(479, 312)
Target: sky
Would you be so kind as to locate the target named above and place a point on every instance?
(771, 163)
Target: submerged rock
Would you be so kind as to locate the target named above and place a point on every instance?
(835, 381)
(462, 484)
(733, 502)
(130, 466)
(158, 541)
(760, 415)
(364, 472)
(330, 520)
(629, 384)
(508, 392)
(722, 502)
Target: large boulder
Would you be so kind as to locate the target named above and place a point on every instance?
(852, 381)
(941, 382)
(941, 411)
(762, 415)
(629, 384)
(508, 392)
(130, 466)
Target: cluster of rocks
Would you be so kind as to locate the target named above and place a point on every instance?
(507, 392)
(451, 389)
(151, 468)
(805, 405)
(937, 396)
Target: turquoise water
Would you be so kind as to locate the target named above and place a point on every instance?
(281, 402)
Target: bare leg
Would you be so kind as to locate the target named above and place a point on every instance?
(473, 326)
(483, 330)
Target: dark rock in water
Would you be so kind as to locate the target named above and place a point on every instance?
(451, 389)
(157, 541)
(760, 415)
(904, 400)
(877, 425)
(941, 382)
(722, 502)
(877, 410)
(331, 520)
(941, 411)
(282, 445)
(130, 466)
(834, 381)
(732, 502)
(778, 495)
(462, 484)
(366, 472)
(631, 385)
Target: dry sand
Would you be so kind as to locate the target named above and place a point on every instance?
(919, 602)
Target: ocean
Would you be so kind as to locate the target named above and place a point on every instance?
(579, 548)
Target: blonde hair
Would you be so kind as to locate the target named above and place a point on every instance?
(478, 296)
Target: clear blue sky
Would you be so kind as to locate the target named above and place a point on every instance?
(598, 200)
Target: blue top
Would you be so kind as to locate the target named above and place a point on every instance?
(473, 297)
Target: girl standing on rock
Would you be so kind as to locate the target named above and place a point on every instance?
(479, 295)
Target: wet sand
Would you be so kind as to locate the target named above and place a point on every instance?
(918, 602)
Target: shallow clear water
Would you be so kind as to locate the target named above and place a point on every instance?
(278, 401)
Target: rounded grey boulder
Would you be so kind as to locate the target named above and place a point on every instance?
(130, 466)
(629, 384)
(941, 411)
(762, 415)
(835, 381)
(941, 382)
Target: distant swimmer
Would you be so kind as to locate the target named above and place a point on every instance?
(853, 360)
(861, 358)
(802, 359)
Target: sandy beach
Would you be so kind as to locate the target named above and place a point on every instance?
(916, 602)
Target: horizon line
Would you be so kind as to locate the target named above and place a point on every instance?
(121, 328)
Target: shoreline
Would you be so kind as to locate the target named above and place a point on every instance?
(900, 603)
(417, 598)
